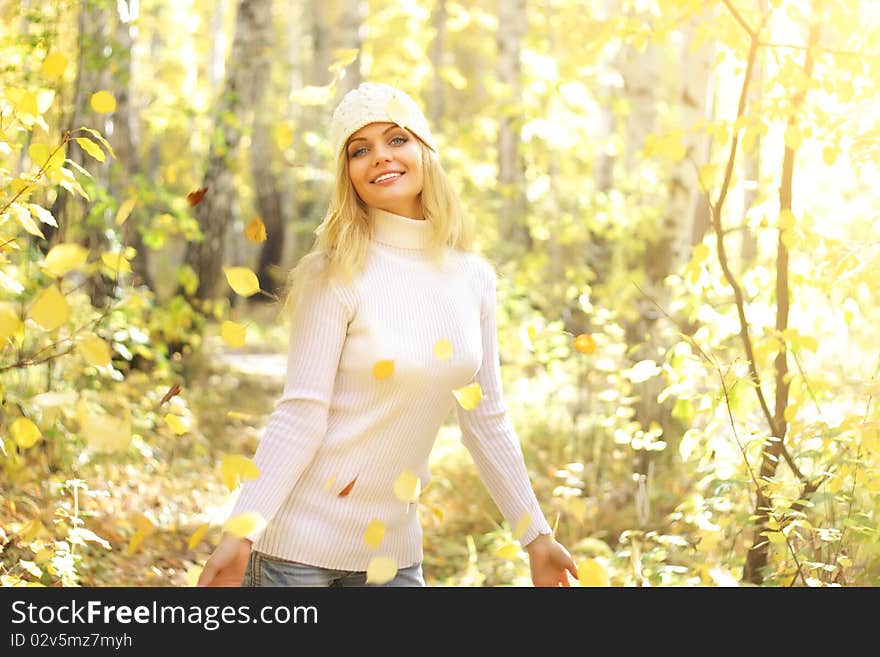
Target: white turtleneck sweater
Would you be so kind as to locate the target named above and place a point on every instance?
(336, 422)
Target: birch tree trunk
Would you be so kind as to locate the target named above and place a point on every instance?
(240, 93)
(512, 25)
(126, 137)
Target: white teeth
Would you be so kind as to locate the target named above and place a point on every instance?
(387, 176)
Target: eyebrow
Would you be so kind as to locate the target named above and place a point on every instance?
(388, 129)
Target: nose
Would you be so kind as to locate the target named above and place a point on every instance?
(381, 153)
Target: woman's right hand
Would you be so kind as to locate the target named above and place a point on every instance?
(228, 562)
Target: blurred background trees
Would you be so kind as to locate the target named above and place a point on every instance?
(677, 195)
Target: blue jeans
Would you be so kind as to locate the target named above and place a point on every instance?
(266, 570)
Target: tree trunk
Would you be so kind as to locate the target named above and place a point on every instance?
(215, 211)
(512, 227)
(126, 138)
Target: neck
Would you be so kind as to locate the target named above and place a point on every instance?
(400, 231)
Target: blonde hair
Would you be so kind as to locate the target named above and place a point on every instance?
(343, 237)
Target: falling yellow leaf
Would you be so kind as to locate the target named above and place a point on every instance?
(94, 349)
(829, 155)
(50, 309)
(256, 230)
(443, 349)
(104, 433)
(522, 525)
(396, 111)
(233, 334)
(193, 574)
(197, 536)
(54, 65)
(242, 280)
(25, 433)
(283, 133)
(103, 102)
(383, 369)
(407, 487)
(585, 343)
(10, 324)
(374, 533)
(509, 551)
(330, 481)
(124, 211)
(64, 257)
(116, 262)
(177, 424)
(381, 570)
(469, 396)
(245, 524)
(591, 573)
(91, 148)
(143, 524)
(437, 511)
(235, 469)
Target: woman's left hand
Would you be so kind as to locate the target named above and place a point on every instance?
(549, 562)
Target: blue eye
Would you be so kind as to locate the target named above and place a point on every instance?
(400, 139)
(357, 152)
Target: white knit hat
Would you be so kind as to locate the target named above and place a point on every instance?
(374, 102)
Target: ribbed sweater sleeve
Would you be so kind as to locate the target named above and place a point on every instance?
(487, 433)
(298, 423)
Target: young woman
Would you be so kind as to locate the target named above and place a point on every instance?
(392, 324)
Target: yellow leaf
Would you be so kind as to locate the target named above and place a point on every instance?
(374, 533)
(50, 309)
(786, 220)
(116, 262)
(396, 111)
(124, 211)
(701, 252)
(193, 574)
(25, 433)
(509, 551)
(54, 65)
(245, 524)
(21, 214)
(793, 137)
(343, 57)
(790, 413)
(443, 349)
(383, 369)
(829, 155)
(91, 148)
(236, 469)
(242, 280)
(94, 349)
(103, 102)
(233, 334)
(197, 536)
(522, 525)
(135, 542)
(10, 324)
(585, 343)
(97, 135)
(143, 524)
(177, 424)
(381, 570)
(330, 481)
(470, 396)
(256, 231)
(591, 573)
(407, 487)
(283, 133)
(64, 257)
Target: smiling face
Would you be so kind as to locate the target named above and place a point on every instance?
(385, 168)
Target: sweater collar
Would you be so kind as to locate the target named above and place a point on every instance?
(400, 231)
